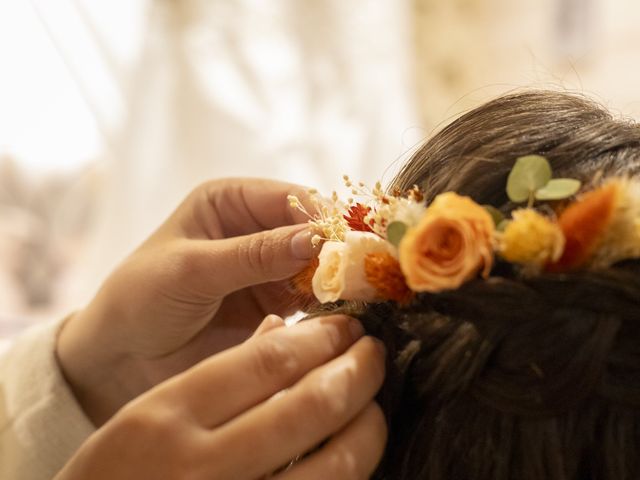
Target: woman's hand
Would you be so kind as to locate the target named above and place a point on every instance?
(201, 283)
(246, 412)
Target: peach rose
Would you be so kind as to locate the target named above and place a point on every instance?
(341, 270)
(449, 246)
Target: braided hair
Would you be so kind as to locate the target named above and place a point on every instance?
(514, 377)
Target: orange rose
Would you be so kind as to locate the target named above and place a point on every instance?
(449, 246)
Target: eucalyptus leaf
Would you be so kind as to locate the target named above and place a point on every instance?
(529, 174)
(558, 188)
(496, 214)
(395, 232)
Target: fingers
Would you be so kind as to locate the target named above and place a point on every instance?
(269, 323)
(318, 406)
(259, 237)
(242, 377)
(248, 205)
(230, 264)
(333, 401)
(352, 454)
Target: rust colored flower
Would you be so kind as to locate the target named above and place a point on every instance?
(302, 280)
(449, 246)
(356, 218)
(584, 224)
(383, 272)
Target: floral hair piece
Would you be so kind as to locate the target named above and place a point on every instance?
(390, 246)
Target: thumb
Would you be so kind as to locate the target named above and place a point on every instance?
(269, 323)
(268, 256)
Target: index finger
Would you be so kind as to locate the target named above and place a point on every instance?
(248, 205)
(235, 380)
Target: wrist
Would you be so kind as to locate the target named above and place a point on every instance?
(95, 372)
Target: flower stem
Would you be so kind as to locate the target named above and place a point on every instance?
(532, 199)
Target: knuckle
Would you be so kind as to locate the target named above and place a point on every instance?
(343, 464)
(333, 392)
(328, 399)
(142, 425)
(151, 423)
(274, 357)
(258, 253)
(336, 332)
(332, 335)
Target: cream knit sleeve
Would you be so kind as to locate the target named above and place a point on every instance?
(41, 424)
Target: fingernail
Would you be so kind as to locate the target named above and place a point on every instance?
(273, 319)
(301, 247)
(355, 328)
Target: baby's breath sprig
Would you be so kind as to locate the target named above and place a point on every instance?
(369, 210)
(366, 210)
(327, 219)
(384, 210)
(360, 189)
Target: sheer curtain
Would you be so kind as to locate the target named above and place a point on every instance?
(168, 93)
(299, 91)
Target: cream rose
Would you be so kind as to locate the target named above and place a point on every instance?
(340, 274)
(452, 242)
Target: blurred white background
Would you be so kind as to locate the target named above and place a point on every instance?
(110, 112)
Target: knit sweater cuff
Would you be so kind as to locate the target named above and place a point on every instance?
(41, 423)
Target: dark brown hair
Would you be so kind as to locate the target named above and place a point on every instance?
(516, 378)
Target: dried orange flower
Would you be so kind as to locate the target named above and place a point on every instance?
(614, 225)
(584, 224)
(356, 218)
(340, 274)
(302, 280)
(383, 272)
(391, 246)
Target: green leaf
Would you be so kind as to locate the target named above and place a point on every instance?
(558, 188)
(496, 214)
(395, 232)
(528, 175)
